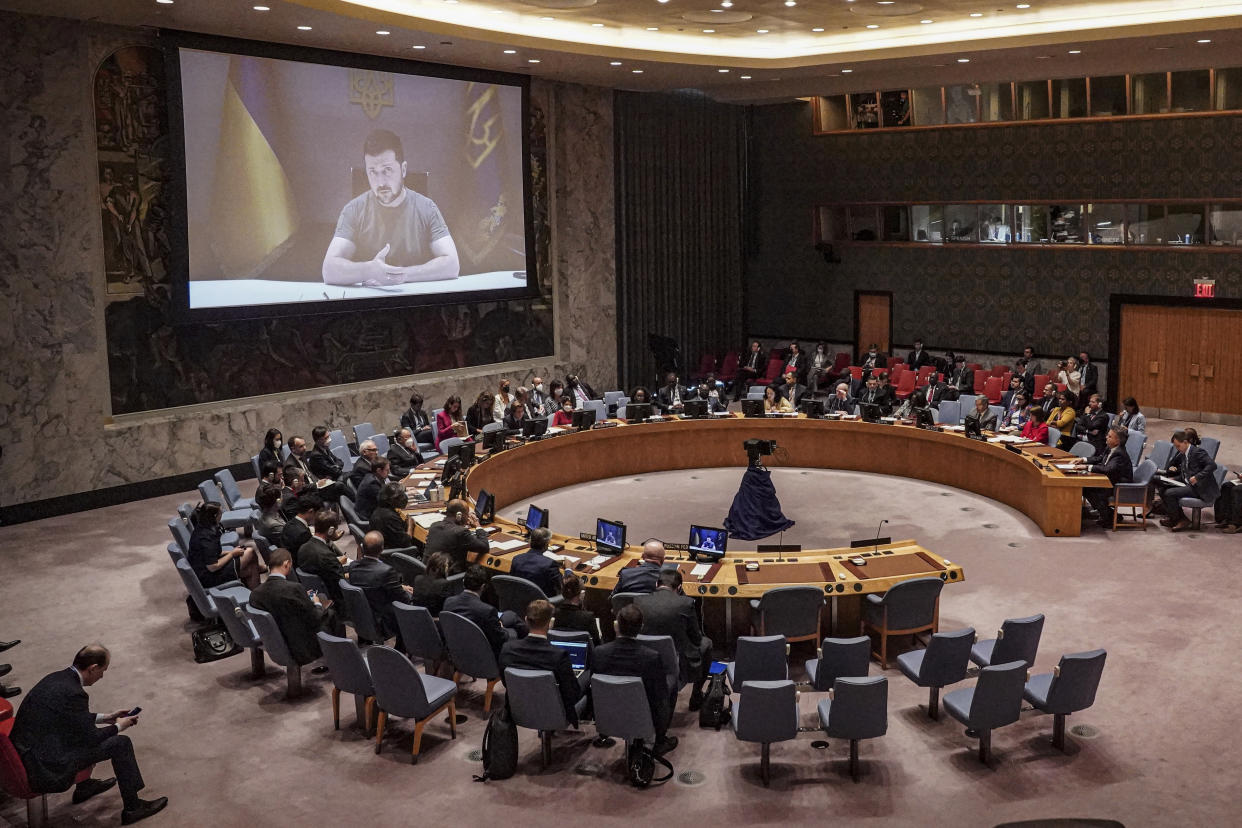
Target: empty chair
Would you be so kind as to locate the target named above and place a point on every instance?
(535, 702)
(622, 599)
(450, 443)
(1016, 640)
(793, 612)
(1211, 445)
(908, 608)
(470, 652)
(1054, 436)
(516, 593)
(254, 464)
(754, 392)
(966, 404)
(229, 518)
(276, 648)
(949, 412)
(1161, 451)
(232, 494)
(839, 658)
(352, 516)
(944, 662)
(409, 567)
(621, 708)
(419, 634)
(201, 599)
(667, 648)
(381, 444)
(311, 581)
(995, 701)
(1133, 496)
(360, 615)
(1082, 449)
(400, 690)
(363, 431)
(342, 453)
(857, 709)
(349, 673)
(998, 412)
(1067, 689)
(766, 712)
(336, 439)
(1134, 446)
(758, 658)
(240, 628)
(356, 532)
(601, 410)
(1196, 505)
(493, 426)
(612, 401)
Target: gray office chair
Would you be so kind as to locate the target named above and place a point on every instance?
(400, 690)
(470, 652)
(1161, 451)
(1197, 505)
(949, 412)
(839, 658)
(792, 611)
(1016, 640)
(1134, 497)
(175, 552)
(240, 629)
(349, 673)
(336, 439)
(277, 650)
(758, 658)
(612, 400)
(381, 444)
(535, 702)
(356, 533)
(1069, 688)
(360, 615)
(1054, 435)
(363, 431)
(232, 494)
(229, 518)
(766, 712)
(1134, 446)
(201, 599)
(1082, 449)
(180, 534)
(995, 701)
(419, 635)
(254, 464)
(908, 608)
(263, 545)
(1211, 445)
(341, 453)
(450, 443)
(857, 709)
(516, 593)
(622, 599)
(944, 662)
(352, 516)
(621, 708)
(667, 648)
(578, 637)
(311, 581)
(998, 412)
(601, 410)
(493, 426)
(409, 567)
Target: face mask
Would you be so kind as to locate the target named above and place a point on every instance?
(539, 388)
(409, 443)
(278, 444)
(505, 389)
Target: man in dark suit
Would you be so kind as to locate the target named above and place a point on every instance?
(791, 389)
(1199, 481)
(1089, 374)
(937, 392)
(388, 522)
(1015, 387)
(841, 400)
(962, 378)
(321, 556)
(626, 656)
(874, 394)
(918, 357)
(667, 612)
(369, 453)
(1028, 353)
(643, 577)
(381, 584)
(750, 366)
(57, 736)
(1114, 462)
(537, 567)
(795, 361)
(453, 536)
(297, 531)
(1092, 426)
(470, 604)
(298, 616)
(534, 652)
(369, 488)
(299, 458)
(871, 360)
(671, 395)
(579, 390)
(1049, 399)
(321, 461)
(1024, 372)
(403, 454)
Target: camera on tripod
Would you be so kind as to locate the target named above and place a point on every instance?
(758, 448)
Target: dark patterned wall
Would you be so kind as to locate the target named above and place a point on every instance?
(980, 299)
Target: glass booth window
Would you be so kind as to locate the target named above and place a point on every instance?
(927, 220)
(866, 110)
(863, 224)
(1144, 224)
(1229, 88)
(1108, 95)
(895, 222)
(996, 101)
(1105, 223)
(832, 226)
(895, 107)
(928, 107)
(1192, 91)
(1069, 98)
(1065, 223)
(1031, 223)
(1225, 221)
(994, 224)
(961, 107)
(833, 113)
(1149, 93)
(1032, 97)
(961, 223)
(1184, 223)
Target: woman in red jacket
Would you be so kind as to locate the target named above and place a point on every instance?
(1036, 427)
(449, 421)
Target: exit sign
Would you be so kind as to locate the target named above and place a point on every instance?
(1205, 288)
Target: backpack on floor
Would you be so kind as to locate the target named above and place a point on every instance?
(500, 746)
(717, 709)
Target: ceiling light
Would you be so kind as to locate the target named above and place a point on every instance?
(927, 21)
(597, 25)
(791, 3)
(498, 11)
(884, 2)
(1204, 40)
(304, 28)
(547, 19)
(846, 71)
(418, 47)
(818, 29)
(510, 51)
(615, 63)
(1163, 48)
(963, 60)
(383, 32)
(640, 71)
(661, 1)
(1075, 51)
(532, 60)
(1024, 5)
(745, 77)
(653, 28)
(164, 2)
(262, 8)
(976, 14)
(726, 4)
(722, 71)
(1043, 57)
(451, 2)
(761, 31)
(709, 31)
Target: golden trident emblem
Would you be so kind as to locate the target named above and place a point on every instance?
(485, 132)
(371, 90)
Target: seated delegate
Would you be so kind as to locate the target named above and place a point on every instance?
(387, 521)
(774, 403)
(213, 564)
(982, 415)
(431, 588)
(570, 616)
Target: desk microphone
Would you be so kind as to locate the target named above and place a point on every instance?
(780, 548)
(876, 545)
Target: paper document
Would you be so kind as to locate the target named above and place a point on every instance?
(954, 428)
(428, 519)
(554, 556)
(1067, 466)
(507, 545)
(598, 560)
(700, 570)
(1169, 481)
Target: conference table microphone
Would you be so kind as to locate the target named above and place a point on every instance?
(876, 545)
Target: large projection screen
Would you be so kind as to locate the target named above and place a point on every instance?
(314, 185)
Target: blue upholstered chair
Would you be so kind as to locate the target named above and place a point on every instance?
(360, 614)
(1067, 689)
(944, 662)
(908, 608)
(516, 593)
(232, 494)
(400, 690)
(766, 712)
(419, 635)
(1017, 640)
(839, 658)
(277, 650)
(792, 611)
(758, 658)
(350, 674)
(857, 709)
(469, 652)
(535, 703)
(994, 701)
(241, 628)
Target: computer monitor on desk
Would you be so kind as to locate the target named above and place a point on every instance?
(484, 506)
(708, 542)
(694, 409)
(536, 518)
(494, 440)
(535, 428)
(609, 536)
(637, 412)
(871, 413)
(812, 408)
(584, 418)
(752, 408)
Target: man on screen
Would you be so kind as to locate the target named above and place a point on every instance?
(390, 234)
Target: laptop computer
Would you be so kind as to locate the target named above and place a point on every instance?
(577, 654)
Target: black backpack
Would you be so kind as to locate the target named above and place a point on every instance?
(641, 761)
(500, 747)
(717, 706)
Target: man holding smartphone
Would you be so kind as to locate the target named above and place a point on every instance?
(57, 737)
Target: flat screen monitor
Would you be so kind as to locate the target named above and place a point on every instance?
(812, 408)
(609, 535)
(708, 542)
(635, 412)
(494, 440)
(694, 408)
(584, 418)
(871, 413)
(464, 452)
(577, 652)
(536, 518)
(483, 506)
(314, 181)
(535, 428)
(972, 428)
(924, 418)
(752, 408)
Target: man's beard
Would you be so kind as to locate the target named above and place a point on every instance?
(386, 195)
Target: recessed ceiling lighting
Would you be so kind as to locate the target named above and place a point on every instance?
(1163, 48)
(726, 4)
(709, 31)
(614, 63)
(761, 31)
(927, 21)
(963, 60)
(1075, 51)
(1204, 40)
(745, 77)
(304, 28)
(510, 51)
(846, 71)
(976, 14)
(791, 3)
(884, 2)
(164, 2)
(262, 8)
(873, 25)
(1024, 5)
(532, 60)
(661, 1)
(653, 28)
(547, 19)
(717, 11)
(498, 11)
(722, 71)
(818, 29)
(597, 25)
(639, 71)
(418, 47)
(383, 32)
(451, 2)
(1043, 57)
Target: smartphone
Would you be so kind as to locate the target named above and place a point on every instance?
(312, 593)
(130, 714)
(718, 667)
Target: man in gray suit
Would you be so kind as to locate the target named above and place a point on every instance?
(668, 612)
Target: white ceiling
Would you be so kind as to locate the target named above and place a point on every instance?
(607, 42)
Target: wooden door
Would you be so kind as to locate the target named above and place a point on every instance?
(873, 320)
(1221, 367)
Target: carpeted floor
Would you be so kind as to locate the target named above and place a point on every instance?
(228, 750)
